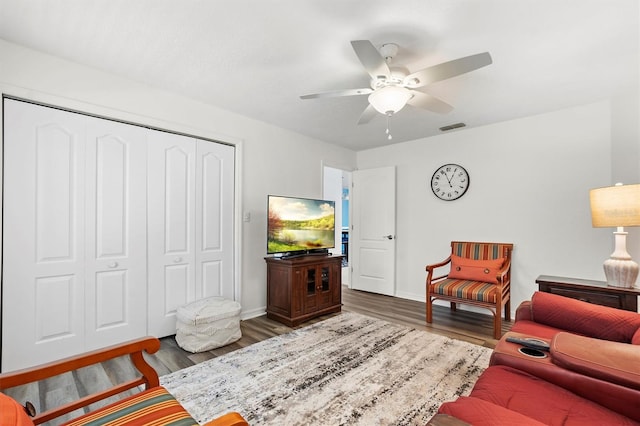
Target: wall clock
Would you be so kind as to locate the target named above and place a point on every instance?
(450, 182)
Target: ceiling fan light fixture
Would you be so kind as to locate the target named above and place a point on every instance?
(389, 51)
(390, 99)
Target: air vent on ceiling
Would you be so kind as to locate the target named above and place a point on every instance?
(452, 126)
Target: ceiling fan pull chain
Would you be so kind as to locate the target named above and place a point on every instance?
(389, 131)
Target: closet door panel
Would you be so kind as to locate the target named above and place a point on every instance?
(171, 224)
(57, 291)
(43, 235)
(214, 219)
(116, 288)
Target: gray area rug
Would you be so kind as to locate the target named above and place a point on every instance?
(349, 369)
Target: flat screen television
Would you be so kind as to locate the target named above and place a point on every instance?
(298, 226)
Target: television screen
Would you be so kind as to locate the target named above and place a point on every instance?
(299, 224)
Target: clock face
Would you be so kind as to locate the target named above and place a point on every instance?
(450, 182)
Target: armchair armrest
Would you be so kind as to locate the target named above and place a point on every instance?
(431, 268)
(133, 348)
(613, 362)
(502, 273)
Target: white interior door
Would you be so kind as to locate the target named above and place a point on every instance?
(43, 241)
(171, 224)
(372, 253)
(116, 238)
(215, 172)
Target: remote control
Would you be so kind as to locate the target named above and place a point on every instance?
(530, 343)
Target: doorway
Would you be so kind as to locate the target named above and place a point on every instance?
(337, 186)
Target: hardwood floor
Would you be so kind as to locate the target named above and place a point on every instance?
(463, 325)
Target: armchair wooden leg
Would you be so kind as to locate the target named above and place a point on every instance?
(507, 310)
(453, 306)
(429, 310)
(497, 325)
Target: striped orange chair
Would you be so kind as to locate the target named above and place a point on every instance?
(479, 275)
(152, 406)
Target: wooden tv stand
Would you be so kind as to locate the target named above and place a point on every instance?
(301, 288)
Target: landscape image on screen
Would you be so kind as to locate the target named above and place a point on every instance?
(299, 224)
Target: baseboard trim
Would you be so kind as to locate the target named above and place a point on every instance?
(245, 315)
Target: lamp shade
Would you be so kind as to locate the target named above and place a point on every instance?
(389, 99)
(615, 206)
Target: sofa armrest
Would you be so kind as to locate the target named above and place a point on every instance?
(613, 362)
(524, 311)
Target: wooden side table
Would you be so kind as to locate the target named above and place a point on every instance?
(596, 292)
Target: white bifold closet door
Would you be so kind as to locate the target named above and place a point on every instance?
(74, 242)
(190, 189)
(107, 229)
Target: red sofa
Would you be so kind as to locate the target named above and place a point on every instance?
(547, 314)
(591, 374)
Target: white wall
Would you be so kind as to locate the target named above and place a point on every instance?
(529, 177)
(271, 160)
(529, 185)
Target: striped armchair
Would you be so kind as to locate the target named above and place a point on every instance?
(479, 275)
(152, 406)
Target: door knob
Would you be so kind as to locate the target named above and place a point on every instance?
(388, 237)
(177, 260)
(112, 264)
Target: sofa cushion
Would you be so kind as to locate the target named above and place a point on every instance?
(479, 412)
(601, 322)
(153, 406)
(541, 400)
(463, 268)
(463, 289)
(613, 362)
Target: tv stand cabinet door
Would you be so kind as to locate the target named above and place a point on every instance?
(326, 284)
(279, 291)
(309, 289)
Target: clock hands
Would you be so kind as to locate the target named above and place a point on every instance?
(449, 180)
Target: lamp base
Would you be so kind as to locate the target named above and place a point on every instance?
(620, 272)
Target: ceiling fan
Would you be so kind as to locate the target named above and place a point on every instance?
(394, 87)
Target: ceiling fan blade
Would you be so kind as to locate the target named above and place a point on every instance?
(428, 102)
(336, 93)
(447, 70)
(372, 60)
(367, 115)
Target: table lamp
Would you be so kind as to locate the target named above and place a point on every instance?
(617, 206)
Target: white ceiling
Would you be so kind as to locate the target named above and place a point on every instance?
(256, 57)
